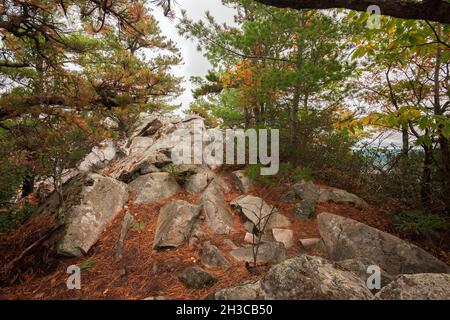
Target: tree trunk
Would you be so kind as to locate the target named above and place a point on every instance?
(445, 171)
(425, 188)
(405, 141)
(293, 117)
(27, 185)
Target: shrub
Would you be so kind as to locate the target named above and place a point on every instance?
(420, 223)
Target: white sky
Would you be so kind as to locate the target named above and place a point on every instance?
(194, 64)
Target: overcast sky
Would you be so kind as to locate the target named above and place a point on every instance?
(194, 64)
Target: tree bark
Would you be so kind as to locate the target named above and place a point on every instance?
(432, 10)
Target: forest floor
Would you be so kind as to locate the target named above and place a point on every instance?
(42, 275)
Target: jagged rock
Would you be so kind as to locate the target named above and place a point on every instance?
(309, 277)
(263, 216)
(249, 290)
(175, 222)
(147, 124)
(305, 209)
(217, 215)
(197, 278)
(302, 277)
(244, 183)
(211, 257)
(346, 238)
(153, 187)
(99, 157)
(196, 183)
(359, 266)
(159, 152)
(268, 253)
(421, 286)
(341, 196)
(285, 236)
(136, 164)
(92, 201)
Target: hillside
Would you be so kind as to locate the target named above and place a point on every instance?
(185, 216)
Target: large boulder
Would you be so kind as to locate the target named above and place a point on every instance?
(303, 278)
(346, 238)
(91, 202)
(153, 187)
(309, 277)
(422, 286)
(263, 216)
(217, 214)
(175, 223)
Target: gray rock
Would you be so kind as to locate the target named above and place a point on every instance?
(309, 277)
(99, 157)
(288, 196)
(211, 257)
(175, 223)
(312, 194)
(307, 191)
(268, 253)
(252, 238)
(217, 215)
(197, 278)
(310, 243)
(92, 202)
(244, 183)
(249, 226)
(250, 290)
(230, 244)
(305, 209)
(302, 277)
(421, 286)
(285, 236)
(263, 216)
(153, 187)
(341, 196)
(196, 183)
(346, 238)
(359, 267)
(140, 144)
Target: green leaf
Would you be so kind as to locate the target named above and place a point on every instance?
(87, 264)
